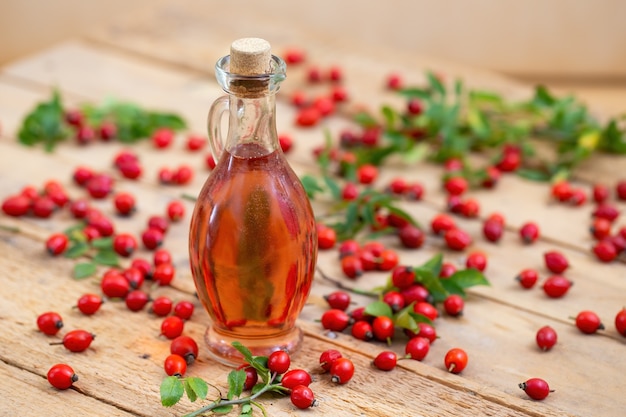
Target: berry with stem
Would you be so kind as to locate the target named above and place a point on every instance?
(546, 338)
(89, 304)
(278, 362)
(417, 348)
(536, 388)
(328, 357)
(341, 371)
(49, 323)
(556, 286)
(555, 261)
(455, 360)
(76, 340)
(527, 278)
(175, 365)
(302, 397)
(588, 322)
(335, 320)
(339, 300)
(186, 347)
(295, 377)
(386, 360)
(61, 376)
(172, 327)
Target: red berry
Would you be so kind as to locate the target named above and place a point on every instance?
(605, 251)
(124, 203)
(77, 340)
(49, 323)
(383, 328)
(85, 135)
(328, 357)
(164, 274)
(620, 322)
(536, 388)
(349, 192)
(56, 244)
(394, 82)
(414, 293)
(136, 300)
(43, 207)
(172, 327)
(362, 330)
(588, 322)
(16, 206)
(134, 276)
(414, 191)
(100, 186)
(251, 376)
(339, 300)
(341, 370)
(493, 230)
(175, 365)
(183, 175)
(308, 116)
(527, 278)
(414, 107)
(352, 266)
(114, 285)
(556, 286)
(107, 131)
(325, 105)
(326, 237)
(427, 331)
(447, 270)
(175, 210)
(402, 277)
(411, 236)
(601, 228)
(295, 377)
(394, 299)
(335, 320)
(195, 142)
(162, 138)
(417, 348)
(152, 238)
(278, 362)
(61, 376)
(184, 309)
(386, 360)
(456, 185)
(457, 239)
(476, 260)
(302, 397)
(600, 193)
(546, 338)
(387, 260)
(161, 256)
(82, 174)
(529, 232)
(162, 306)
(124, 244)
(455, 360)
(620, 190)
(89, 304)
(555, 261)
(186, 347)
(509, 162)
(606, 211)
(453, 305)
(367, 174)
(441, 223)
(426, 309)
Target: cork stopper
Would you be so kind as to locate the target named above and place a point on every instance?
(250, 56)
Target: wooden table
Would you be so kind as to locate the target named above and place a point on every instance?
(164, 59)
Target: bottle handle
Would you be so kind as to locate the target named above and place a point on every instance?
(214, 124)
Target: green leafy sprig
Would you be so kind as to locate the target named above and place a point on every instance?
(47, 124)
(99, 250)
(173, 388)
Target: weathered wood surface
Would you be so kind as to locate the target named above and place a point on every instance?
(121, 373)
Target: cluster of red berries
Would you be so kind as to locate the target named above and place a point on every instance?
(41, 203)
(357, 259)
(85, 133)
(556, 285)
(454, 237)
(311, 110)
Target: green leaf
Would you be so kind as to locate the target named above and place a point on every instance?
(236, 381)
(84, 270)
(378, 308)
(76, 250)
(311, 186)
(257, 362)
(435, 83)
(469, 277)
(434, 264)
(171, 391)
(223, 409)
(102, 243)
(365, 119)
(45, 124)
(106, 257)
(404, 319)
(452, 287)
(332, 185)
(534, 174)
(432, 283)
(196, 388)
(415, 93)
(246, 410)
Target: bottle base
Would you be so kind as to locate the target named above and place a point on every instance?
(221, 348)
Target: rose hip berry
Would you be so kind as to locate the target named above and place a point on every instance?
(335, 320)
(326, 237)
(555, 261)
(386, 360)
(278, 362)
(362, 330)
(328, 357)
(536, 388)
(620, 322)
(339, 300)
(161, 306)
(383, 328)
(57, 243)
(352, 266)
(453, 305)
(175, 365)
(556, 286)
(124, 244)
(476, 260)
(457, 239)
(411, 237)
(124, 203)
(341, 371)
(164, 274)
(114, 285)
(527, 278)
(295, 377)
(455, 360)
(172, 327)
(441, 223)
(49, 323)
(152, 238)
(61, 376)
(426, 309)
(136, 300)
(493, 230)
(186, 347)
(588, 322)
(546, 338)
(417, 348)
(302, 397)
(76, 340)
(89, 304)
(605, 251)
(529, 232)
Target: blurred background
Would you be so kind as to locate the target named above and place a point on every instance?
(572, 45)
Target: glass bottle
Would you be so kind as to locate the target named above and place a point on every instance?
(253, 242)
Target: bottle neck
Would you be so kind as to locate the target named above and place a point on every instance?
(252, 122)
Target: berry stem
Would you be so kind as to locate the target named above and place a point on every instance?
(12, 229)
(344, 287)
